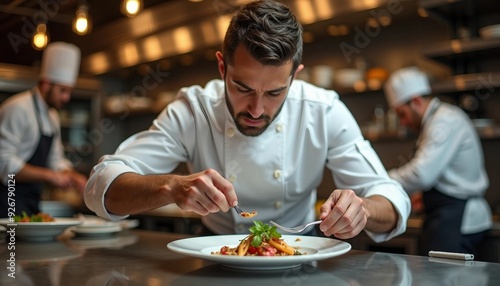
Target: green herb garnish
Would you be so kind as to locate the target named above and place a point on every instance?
(261, 231)
(24, 217)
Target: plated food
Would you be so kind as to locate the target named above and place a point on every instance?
(312, 249)
(39, 217)
(264, 240)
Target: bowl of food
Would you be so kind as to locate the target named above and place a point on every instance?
(36, 228)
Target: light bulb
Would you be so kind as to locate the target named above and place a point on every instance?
(82, 24)
(40, 39)
(131, 8)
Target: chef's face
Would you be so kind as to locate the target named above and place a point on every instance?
(57, 95)
(255, 93)
(409, 117)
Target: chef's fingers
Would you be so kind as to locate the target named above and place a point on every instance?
(339, 210)
(194, 199)
(351, 231)
(227, 190)
(220, 191)
(196, 192)
(349, 224)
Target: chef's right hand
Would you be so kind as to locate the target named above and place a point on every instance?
(204, 193)
(60, 179)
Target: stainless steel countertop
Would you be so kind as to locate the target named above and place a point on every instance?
(137, 257)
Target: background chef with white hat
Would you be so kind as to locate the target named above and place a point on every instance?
(31, 150)
(447, 166)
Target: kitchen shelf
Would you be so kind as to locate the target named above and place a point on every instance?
(343, 91)
(459, 10)
(458, 7)
(479, 83)
(448, 52)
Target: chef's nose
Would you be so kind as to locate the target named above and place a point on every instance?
(404, 121)
(256, 106)
(66, 97)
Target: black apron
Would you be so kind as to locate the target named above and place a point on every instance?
(28, 195)
(443, 219)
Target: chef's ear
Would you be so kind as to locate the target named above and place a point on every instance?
(220, 64)
(299, 68)
(44, 86)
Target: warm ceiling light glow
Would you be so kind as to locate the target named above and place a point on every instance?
(152, 48)
(222, 24)
(98, 63)
(131, 8)
(305, 11)
(128, 55)
(41, 38)
(82, 24)
(422, 12)
(182, 40)
(337, 30)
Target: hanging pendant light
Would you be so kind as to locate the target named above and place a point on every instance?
(41, 37)
(82, 23)
(131, 8)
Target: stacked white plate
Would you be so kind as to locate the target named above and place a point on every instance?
(97, 228)
(490, 32)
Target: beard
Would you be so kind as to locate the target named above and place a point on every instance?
(51, 99)
(240, 117)
(250, 131)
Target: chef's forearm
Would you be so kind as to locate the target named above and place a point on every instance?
(132, 193)
(31, 173)
(383, 216)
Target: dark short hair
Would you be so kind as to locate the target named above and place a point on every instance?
(268, 30)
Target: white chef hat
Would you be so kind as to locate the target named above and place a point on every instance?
(405, 84)
(61, 63)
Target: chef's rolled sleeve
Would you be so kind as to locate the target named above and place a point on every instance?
(100, 179)
(391, 191)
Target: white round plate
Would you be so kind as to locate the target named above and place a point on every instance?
(97, 231)
(315, 248)
(129, 223)
(39, 231)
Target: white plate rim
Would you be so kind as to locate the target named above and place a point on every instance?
(39, 231)
(57, 222)
(325, 247)
(97, 230)
(98, 224)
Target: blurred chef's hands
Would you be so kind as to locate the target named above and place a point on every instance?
(417, 203)
(68, 179)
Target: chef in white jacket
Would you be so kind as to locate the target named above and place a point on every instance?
(258, 139)
(31, 150)
(447, 166)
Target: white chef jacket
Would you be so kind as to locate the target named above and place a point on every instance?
(449, 157)
(275, 173)
(20, 133)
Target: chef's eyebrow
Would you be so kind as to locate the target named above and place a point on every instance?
(241, 84)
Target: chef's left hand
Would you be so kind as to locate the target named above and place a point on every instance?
(343, 214)
(78, 180)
